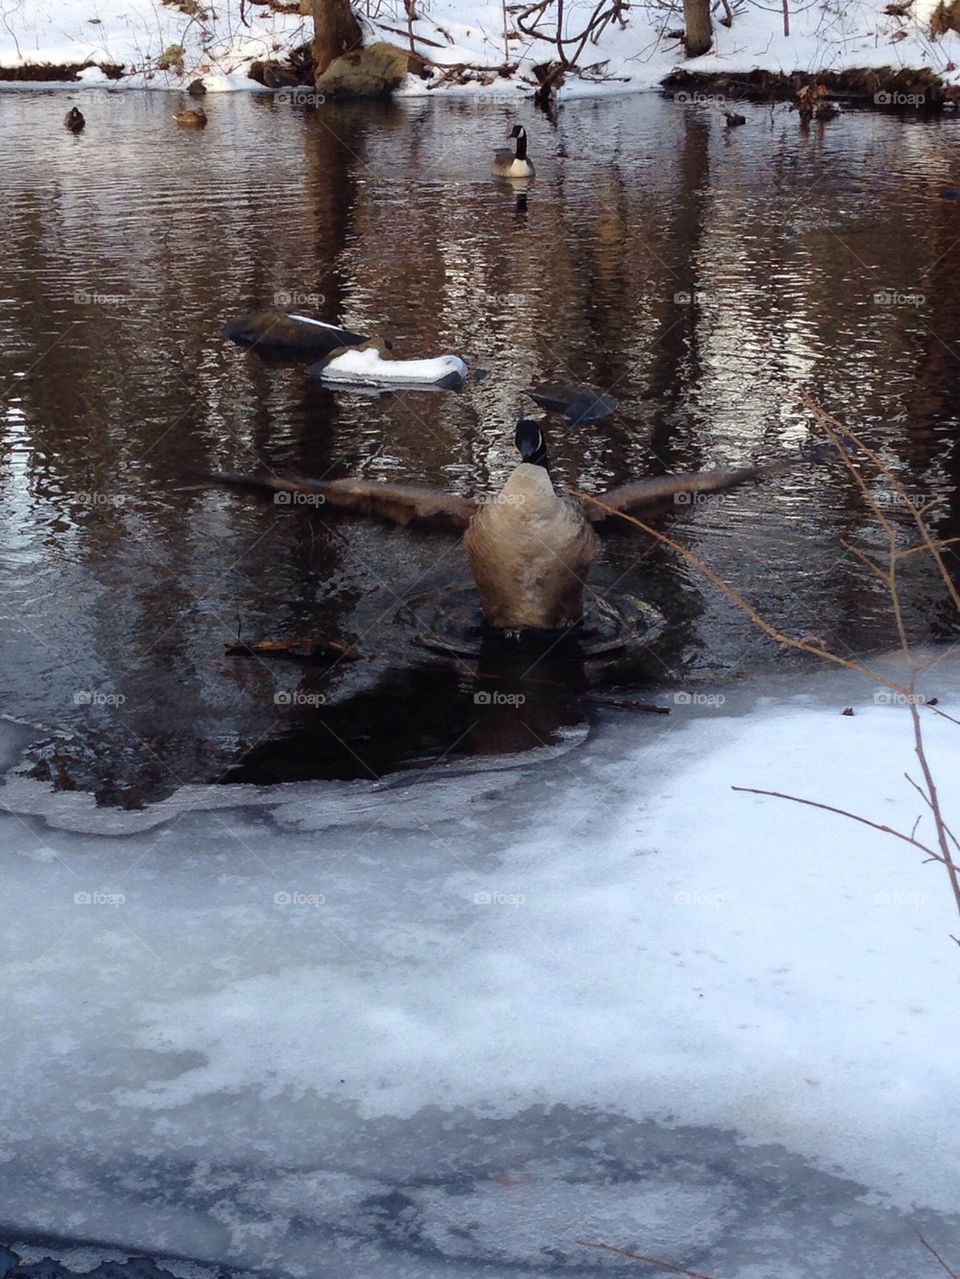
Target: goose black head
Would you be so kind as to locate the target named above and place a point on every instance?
(531, 444)
(520, 133)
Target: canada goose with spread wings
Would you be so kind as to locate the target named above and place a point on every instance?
(529, 546)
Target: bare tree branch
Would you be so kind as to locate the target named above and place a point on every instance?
(852, 450)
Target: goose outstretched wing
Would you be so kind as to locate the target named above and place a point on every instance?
(395, 503)
(665, 490)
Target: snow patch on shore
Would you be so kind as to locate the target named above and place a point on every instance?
(636, 56)
(134, 34)
(639, 56)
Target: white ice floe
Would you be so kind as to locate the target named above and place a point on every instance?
(367, 367)
(451, 1025)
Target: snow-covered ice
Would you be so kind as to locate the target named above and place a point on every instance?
(464, 1018)
(369, 368)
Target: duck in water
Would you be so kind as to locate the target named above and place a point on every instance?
(193, 119)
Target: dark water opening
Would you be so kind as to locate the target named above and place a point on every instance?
(704, 279)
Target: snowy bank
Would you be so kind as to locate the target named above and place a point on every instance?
(643, 53)
(635, 55)
(135, 35)
(466, 1018)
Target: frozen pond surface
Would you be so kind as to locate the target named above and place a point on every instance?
(453, 1024)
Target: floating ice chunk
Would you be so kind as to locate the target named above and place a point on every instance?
(366, 366)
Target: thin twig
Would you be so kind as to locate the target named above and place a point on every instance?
(953, 871)
(848, 445)
(926, 800)
(650, 1261)
(855, 817)
(930, 1248)
(787, 641)
(619, 704)
(870, 564)
(929, 542)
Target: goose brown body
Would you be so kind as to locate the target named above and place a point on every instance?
(530, 550)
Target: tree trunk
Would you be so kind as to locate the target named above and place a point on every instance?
(335, 30)
(699, 33)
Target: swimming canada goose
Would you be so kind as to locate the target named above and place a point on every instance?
(529, 547)
(506, 164)
(74, 120)
(733, 118)
(194, 119)
(273, 330)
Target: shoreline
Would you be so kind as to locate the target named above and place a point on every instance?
(886, 89)
(868, 48)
